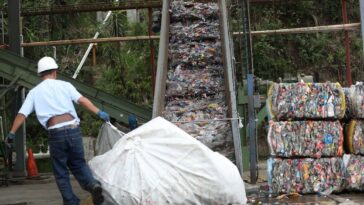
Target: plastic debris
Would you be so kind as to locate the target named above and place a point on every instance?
(355, 101)
(354, 178)
(195, 86)
(183, 11)
(305, 138)
(306, 175)
(306, 101)
(354, 137)
(201, 31)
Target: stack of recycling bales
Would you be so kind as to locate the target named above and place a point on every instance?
(305, 137)
(354, 138)
(195, 87)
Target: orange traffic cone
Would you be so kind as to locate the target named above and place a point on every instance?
(31, 165)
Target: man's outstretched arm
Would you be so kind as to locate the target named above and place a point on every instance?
(86, 103)
(18, 121)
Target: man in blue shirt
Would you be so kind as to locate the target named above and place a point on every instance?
(52, 100)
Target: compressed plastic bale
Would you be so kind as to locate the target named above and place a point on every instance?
(305, 138)
(354, 137)
(158, 163)
(355, 99)
(349, 110)
(354, 178)
(305, 175)
(306, 101)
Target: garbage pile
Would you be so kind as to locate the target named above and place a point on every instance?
(195, 91)
(354, 178)
(306, 101)
(305, 138)
(355, 101)
(306, 175)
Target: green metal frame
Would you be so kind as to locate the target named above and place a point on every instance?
(23, 71)
(243, 112)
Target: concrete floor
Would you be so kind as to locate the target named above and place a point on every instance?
(45, 192)
(38, 192)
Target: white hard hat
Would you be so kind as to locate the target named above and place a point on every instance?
(46, 63)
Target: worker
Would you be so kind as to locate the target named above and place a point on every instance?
(52, 100)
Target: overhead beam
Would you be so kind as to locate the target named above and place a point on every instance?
(89, 40)
(315, 29)
(75, 8)
(121, 5)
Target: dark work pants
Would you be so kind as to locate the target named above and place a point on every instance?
(66, 151)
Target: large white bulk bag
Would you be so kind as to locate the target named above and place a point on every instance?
(159, 163)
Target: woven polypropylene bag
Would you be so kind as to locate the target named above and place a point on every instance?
(159, 163)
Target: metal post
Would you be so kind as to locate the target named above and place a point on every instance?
(54, 52)
(362, 20)
(14, 43)
(250, 86)
(2, 28)
(152, 50)
(14, 25)
(347, 45)
(94, 55)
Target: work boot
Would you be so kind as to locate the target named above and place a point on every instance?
(96, 193)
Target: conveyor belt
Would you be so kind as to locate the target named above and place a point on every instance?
(195, 79)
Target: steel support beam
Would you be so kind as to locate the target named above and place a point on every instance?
(14, 25)
(347, 45)
(248, 66)
(14, 43)
(151, 46)
(362, 20)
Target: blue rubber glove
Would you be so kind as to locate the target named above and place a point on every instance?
(103, 115)
(133, 122)
(9, 140)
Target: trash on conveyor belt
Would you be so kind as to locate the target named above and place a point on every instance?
(209, 52)
(354, 137)
(354, 178)
(195, 85)
(188, 84)
(208, 30)
(181, 10)
(305, 139)
(305, 175)
(306, 101)
(355, 100)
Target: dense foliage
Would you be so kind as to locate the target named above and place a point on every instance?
(320, 54)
